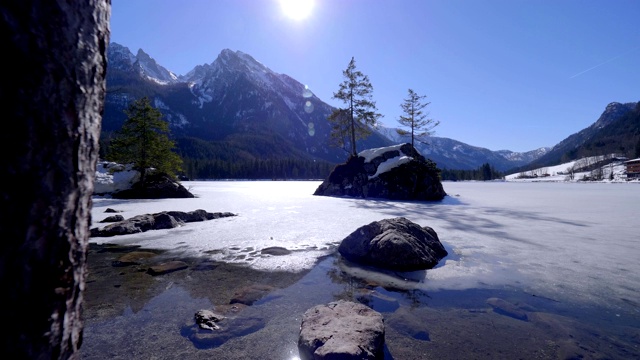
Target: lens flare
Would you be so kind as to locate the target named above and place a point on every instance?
(308, 107)
(306, 93)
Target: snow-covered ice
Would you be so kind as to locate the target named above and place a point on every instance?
(573, 240)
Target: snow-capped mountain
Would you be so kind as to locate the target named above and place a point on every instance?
(237, 108)
(453, 154)
(152, 71)
(234, 101)
(523, 157)
(120, 57)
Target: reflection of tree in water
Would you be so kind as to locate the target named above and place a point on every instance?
(417, 298)
(351, 284)
(354, 288)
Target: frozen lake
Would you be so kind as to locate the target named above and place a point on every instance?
(578, 241)
(535, 270)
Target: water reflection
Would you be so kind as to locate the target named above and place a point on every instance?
(448, 324)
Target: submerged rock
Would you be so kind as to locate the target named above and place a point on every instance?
(397, 172)
(207, 319)
(133, 258)
(225, 329)
(167, 267)
(394, 244)
(248, 295)
(503, 307)
(341, 330)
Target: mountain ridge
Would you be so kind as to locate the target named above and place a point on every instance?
(453, 154)
(238, 102)
(235, 97)
(577, 145)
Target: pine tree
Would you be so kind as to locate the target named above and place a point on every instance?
(340, 121)
(352, 123)
(415, 118)
(144, 141)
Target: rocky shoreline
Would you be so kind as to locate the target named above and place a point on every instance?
(132, 312)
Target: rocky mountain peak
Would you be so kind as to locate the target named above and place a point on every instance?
(239, 62)
(143, 56)
(150, 69)
(120, 57)
(612, 112)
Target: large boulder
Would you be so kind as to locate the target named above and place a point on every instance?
(112, 177)
(155, 186)
(124, 182)
(397, 172)
(341, 330)
(394, 244)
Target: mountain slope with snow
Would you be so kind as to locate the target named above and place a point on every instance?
(453, 154)
(235, 103)
(606, 168)
(244, 110)
(581, 144)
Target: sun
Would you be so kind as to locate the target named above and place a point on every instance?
(297, 9)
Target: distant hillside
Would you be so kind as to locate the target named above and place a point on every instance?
(603, 168)
(617, 130)
(452, 154)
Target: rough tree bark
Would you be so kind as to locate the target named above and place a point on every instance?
(52, 100)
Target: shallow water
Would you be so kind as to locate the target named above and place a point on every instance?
(419, 324)
(564, 255)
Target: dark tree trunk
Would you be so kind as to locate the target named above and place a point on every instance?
(52, 100)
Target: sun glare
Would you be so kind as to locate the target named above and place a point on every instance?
(297, 9)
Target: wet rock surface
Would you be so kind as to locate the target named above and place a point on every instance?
(394, 244)
(226, 329)
(341, 330)
(207, 319)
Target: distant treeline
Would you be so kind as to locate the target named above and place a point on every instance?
(483, 173)
(276, 169)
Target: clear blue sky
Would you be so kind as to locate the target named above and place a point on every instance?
(507, 74)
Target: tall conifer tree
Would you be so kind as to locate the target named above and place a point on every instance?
(144, 141)
(415, 117)
(352, 122)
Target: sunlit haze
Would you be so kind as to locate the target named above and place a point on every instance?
(499, 74)
(297, 9)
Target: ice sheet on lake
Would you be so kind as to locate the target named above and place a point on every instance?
(554, 239)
